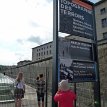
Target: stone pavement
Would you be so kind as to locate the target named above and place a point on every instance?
(30, 99)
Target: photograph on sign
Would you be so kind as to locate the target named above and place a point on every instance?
(75, 49)
(76, 18)
(77, 71)
(66, 71)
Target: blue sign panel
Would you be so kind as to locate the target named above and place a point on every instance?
(84, 71)
(77, 71)
(76, 18)
(74, 49)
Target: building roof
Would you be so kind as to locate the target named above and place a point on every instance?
(42, 45)
(101, 1)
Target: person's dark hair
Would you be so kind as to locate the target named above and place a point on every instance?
(40, 75)
(19, 76)
(37, 78)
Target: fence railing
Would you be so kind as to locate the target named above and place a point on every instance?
(85, 96)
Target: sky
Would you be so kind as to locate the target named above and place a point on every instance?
(24, 24)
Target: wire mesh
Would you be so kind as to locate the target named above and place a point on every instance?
(84, 91)
(30, 72)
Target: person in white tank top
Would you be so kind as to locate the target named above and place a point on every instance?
(19, 85)
(19, 89)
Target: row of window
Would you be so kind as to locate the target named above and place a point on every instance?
(105, 35)
(104, 22)
(43, 48)
(103, 10)
(44, 53)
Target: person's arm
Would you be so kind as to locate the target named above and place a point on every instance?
(37, 85)
(23, 86)
(57, 96)
(74, 96)
(44, 83)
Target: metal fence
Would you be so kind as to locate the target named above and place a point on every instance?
(84, 91)
(30, 71)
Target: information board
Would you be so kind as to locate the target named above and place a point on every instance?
(76, 18)
(77, 71)
(75, 49)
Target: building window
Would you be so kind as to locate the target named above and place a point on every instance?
(44, 53)
(41, 53)
(50, 51)
(47, 52)
(103, 10)
(105, 35)
(104, 22)
(37, 54)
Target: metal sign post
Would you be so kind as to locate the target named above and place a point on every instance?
(55, 51)
(77, 20)
(97, 97)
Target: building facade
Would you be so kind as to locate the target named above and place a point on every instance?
(101, 19)
(101, 30)
(42, 52)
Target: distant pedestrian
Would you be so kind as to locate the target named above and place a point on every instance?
(4, 73)
(37, 80)
(64, 96)
(19, 89)
(40, 90)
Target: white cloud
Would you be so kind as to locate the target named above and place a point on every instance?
(94, 1)
(19, 20)
(7, 57)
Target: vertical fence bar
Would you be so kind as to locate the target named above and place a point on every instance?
(46, 88)
(75, 93)
(97, 98)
